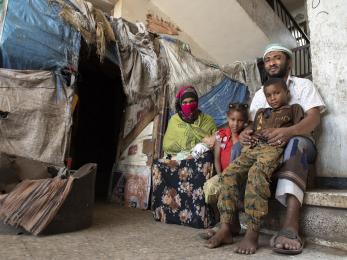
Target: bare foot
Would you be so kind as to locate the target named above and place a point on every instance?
(221, 237)
(208, 233)
(234, 226)
(249, 244)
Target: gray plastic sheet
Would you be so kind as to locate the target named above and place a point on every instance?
(186, 69)
(35, 115)
(143, 71)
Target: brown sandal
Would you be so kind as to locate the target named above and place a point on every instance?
(290, 235)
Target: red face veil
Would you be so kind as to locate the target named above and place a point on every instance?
(189, 109)
(188, 112)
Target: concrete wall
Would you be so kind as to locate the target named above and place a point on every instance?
(223, 31)
(136, 11)
(328, 27)
(268, 21)
(222, 28)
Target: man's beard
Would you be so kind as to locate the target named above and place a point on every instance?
(281, 73)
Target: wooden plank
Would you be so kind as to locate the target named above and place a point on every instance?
(105, 5)
(138, 129)
(155, 135)
(113, 177)
(161, 124)
(148, 149)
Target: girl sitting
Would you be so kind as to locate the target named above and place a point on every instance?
(227, 148)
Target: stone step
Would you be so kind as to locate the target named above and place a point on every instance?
(326, 198)
(323, 217)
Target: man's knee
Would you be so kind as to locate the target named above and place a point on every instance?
(299, 143)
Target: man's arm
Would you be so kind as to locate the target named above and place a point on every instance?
(310, 121)
(304, 127)
(246, 137)
(258, 102)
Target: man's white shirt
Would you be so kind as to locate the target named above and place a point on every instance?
(302, 92)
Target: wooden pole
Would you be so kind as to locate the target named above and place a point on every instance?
(161, 123)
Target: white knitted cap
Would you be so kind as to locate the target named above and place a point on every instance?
(277, 47)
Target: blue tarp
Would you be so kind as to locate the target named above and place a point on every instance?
(33, 36)
(215, 103)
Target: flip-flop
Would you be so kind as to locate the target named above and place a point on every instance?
(290, 235)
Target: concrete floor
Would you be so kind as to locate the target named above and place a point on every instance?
(125, 233)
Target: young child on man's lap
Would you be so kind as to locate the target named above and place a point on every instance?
(256, 164)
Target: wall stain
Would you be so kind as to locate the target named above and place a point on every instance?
(322, 12)
(315, 3)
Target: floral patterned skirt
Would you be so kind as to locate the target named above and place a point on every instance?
(178, 196)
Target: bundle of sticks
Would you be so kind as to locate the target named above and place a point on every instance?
(33, 204)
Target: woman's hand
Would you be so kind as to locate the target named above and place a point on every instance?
(209, 140)
(246, 137)
(277, 136)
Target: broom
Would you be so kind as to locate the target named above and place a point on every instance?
(33, 204)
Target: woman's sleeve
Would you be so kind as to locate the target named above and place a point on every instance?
(169, 142)
(212, 128)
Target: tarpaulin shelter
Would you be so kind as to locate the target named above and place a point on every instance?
(34, 37)
(39, 57)
(40, 52)
(140, 68)
(153, 72)
(44, 46)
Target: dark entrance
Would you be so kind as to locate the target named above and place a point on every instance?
(97, 118)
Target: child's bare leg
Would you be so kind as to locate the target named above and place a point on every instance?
(249, 244)
(234, 174)
(256, 195)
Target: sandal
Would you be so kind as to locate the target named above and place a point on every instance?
(290, 235)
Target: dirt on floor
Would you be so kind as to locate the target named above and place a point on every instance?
(126, 233)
